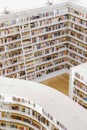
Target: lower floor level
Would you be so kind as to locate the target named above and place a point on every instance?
(61, 83)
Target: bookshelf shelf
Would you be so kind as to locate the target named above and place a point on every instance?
(27, 110)
(32, 40)
(36, 36)
(78, 84)
(24, 114)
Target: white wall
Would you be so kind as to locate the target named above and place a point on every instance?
(23, 4)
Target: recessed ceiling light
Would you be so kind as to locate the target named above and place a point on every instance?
(6, 10)
(50, 2)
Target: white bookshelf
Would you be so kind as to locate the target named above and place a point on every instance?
(78, 84)
(28, 105)
(33, 43)
(41, 37)
(77, 33)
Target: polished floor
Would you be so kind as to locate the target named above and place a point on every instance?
(60, 83)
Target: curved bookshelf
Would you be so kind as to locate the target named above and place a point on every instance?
(29, 105)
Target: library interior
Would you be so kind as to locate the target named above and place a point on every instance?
(43, 69)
